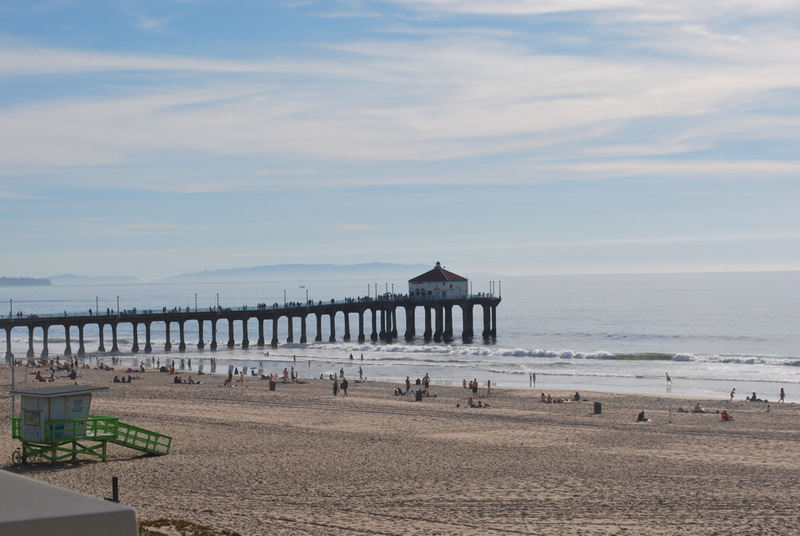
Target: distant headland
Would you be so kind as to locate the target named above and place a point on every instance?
(24, 282)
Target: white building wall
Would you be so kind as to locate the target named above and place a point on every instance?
(438, 290)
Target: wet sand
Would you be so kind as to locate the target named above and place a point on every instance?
(299, 461)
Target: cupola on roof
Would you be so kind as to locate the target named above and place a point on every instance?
(437, 274)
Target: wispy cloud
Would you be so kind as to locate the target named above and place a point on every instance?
(359, 227)
(369, 103)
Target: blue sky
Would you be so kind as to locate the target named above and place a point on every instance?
(153, 138)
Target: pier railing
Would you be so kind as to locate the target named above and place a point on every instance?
(244, 308)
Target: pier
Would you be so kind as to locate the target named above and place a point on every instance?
(380, 314)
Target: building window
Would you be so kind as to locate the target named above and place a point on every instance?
(32, 418)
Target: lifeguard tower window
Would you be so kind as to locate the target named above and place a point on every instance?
(32, 418)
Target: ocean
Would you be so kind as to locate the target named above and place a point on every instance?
(710, 332)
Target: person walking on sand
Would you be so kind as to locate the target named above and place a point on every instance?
(408, 384)
(344, 387)
(335, 387)
(732, 391)
(783, 395)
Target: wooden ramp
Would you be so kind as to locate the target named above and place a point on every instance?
(140, 439)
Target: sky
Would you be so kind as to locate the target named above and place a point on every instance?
(154, 138)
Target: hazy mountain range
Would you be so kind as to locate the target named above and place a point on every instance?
(296, 272)
(278, 272)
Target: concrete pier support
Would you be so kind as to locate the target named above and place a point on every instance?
(303, 336)
(231, 340)
(448, 323)
(135, 348)
(245, 338)
(361, 337)
(101, 347)
(200, 343)
(382, 332)
(81, 346)
(148, 346)
(374, 335)
(427, 334)
(394, 322)
(260, 342)
(410, 324)
(487, 328)
(168, 344)
(333, 327)
(388, 329)
(45, 349)
(68, 346)
(30, 354)
(318, 338)
(290, 324)
(274, 342)
(214, 334)
(346, 337)
(466, 323)
(439, 330)
(181, 332)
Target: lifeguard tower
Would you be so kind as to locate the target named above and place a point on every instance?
(55, 425)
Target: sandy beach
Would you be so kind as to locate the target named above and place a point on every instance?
(298, 460)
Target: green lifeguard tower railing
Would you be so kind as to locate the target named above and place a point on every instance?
(55, 425)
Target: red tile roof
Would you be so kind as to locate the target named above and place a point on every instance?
(436, 275)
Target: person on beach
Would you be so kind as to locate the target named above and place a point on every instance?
(769, 408)
(335, 387)
(669, 380)
(408, 384)
(783, 395)
(360, 374)
(725, 416)
(426, 381)
(344, 387)
(732, 392)
(475, 387)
